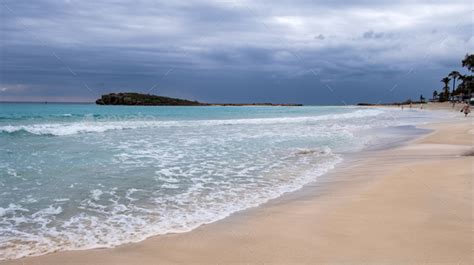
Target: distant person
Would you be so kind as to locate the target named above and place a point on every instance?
(466, 109)
(403, 107)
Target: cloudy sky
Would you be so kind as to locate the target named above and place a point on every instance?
(311, 52)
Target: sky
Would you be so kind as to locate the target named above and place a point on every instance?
(310, 52)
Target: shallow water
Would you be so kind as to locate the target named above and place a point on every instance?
(79, 176)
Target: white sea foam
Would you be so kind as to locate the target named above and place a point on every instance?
(119, 223)
(62, 200)
(51, 210)
(11, 209)
(61, 129)
(96, 194)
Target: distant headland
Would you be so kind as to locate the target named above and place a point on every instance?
(131, 99)
(143, 100)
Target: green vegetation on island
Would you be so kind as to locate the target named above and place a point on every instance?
(144, 100)
(131, 98)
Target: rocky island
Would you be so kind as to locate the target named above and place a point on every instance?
(143, 100)
(130, 98)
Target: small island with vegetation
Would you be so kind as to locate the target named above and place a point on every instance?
(138, 99)
(143, 100)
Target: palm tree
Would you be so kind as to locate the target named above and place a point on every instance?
(467, 84)
(435, 94)
(460, 88)
(454, 75)
(446, 87)
(468, 62)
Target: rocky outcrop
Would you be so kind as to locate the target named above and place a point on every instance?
(152, 100)
(143, 99)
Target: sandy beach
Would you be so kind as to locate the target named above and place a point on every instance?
(236, 132)
(411, 204)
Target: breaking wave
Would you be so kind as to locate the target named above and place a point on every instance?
(61, 129)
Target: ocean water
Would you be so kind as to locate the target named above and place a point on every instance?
(80, 176)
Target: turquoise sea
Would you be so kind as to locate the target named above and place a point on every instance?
(80, 176)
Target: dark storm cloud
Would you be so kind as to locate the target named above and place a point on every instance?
(228, 50)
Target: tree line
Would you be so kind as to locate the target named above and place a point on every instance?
(464, 88)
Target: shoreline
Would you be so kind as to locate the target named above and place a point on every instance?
(297, 225)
